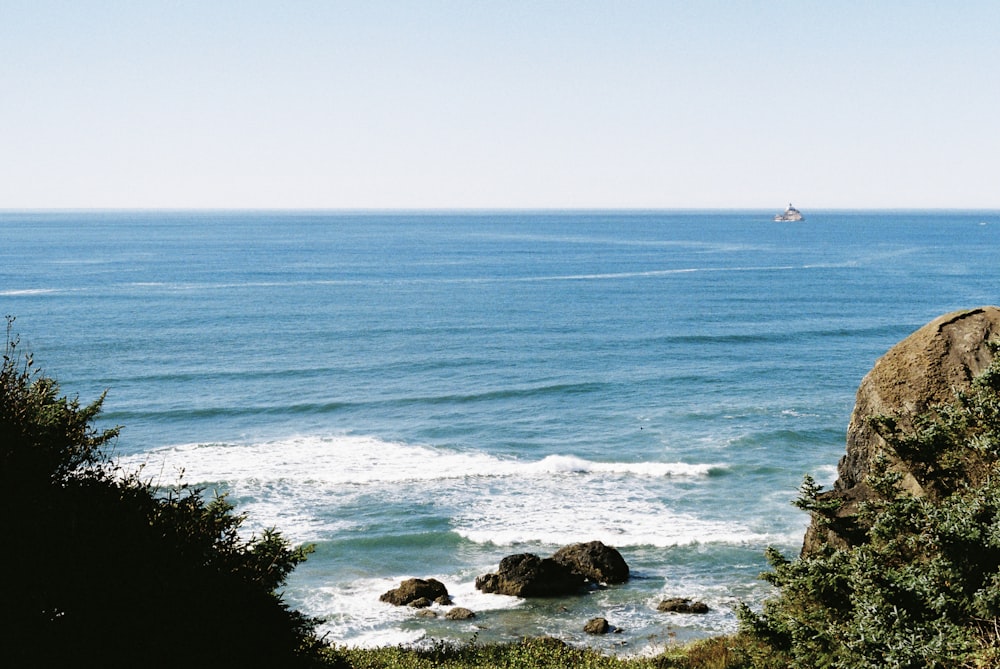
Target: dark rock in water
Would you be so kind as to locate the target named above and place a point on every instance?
(682, 605)
(427, 613)
(421, 603)
(459, 613)
(565, 573)
(597, 626)
(594, 561)
(415, 589)
(527, 575)
(923, 370)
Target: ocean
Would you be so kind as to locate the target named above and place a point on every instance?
(421, 394)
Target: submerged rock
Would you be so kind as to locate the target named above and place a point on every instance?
(682, 605)
(597, 626)
(921, 371)
(417, 592)
(459, 613)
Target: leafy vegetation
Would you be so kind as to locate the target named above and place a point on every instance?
(101, 569)
(923, 588)
(543, 653)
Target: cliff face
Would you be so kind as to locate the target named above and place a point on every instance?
(921, 371)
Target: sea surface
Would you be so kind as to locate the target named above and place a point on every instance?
(422, 394)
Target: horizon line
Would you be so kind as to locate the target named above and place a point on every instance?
(445, 210)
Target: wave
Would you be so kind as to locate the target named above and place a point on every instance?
(21, 292)
(186, 286)
(194, 286)
(642, 274)
(620, 526)
(353, 616)
(512, 393)
(303, 408)
(567, 464)
(353, 460)
(215, 286)
(781, 335)
(339, 488)
(308, 408)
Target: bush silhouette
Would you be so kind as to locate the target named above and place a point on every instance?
(103, 569)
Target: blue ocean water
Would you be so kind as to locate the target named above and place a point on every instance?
(421, 394)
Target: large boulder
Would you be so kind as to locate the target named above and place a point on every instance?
(527, 575)
(923, 370)
(594, 561)
(681, 605)
(417, 592)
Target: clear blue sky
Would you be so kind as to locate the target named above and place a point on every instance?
(506, 104)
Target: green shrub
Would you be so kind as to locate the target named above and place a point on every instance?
(101, 569)
(541, 653)
(923, 588)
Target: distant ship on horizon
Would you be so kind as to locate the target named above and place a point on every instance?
(790, 214)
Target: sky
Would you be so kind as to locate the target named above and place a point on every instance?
(459, 104)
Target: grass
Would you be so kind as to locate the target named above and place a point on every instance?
(542, 653)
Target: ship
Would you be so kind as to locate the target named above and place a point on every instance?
(790, 214)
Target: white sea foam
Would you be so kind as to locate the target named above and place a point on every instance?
(301, 484)
(360, 460)
(596, 276)
(21, 292)
(655, 273)
(826, 474)
(562, 464)
(618, 511)
(353, 615)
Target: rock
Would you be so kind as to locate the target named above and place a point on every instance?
(412, 591)
(421, 603)
(681, 605)
(923, 370)
(594, 561)
(459, 613)
(527, 575)
(427, 613)
(566, 572)
(597, 626)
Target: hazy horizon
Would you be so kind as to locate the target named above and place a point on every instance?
(496, 210)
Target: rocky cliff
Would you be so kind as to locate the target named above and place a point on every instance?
(923, 370)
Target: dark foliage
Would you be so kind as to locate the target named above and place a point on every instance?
(102, 569)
